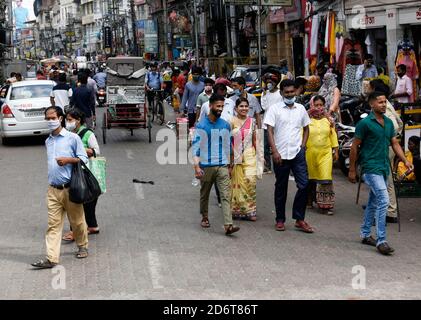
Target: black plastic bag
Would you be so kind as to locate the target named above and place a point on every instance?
(84, 187)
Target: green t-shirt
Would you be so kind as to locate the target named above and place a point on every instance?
(201, 99)
(374, 152)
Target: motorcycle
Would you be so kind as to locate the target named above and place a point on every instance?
(345, 139)
(101, 96)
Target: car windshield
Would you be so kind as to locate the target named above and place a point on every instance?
(30, 92)
(251, 76)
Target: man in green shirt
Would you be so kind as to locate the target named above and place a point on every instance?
(374, 134)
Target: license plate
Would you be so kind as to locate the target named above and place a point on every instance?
(38, 113)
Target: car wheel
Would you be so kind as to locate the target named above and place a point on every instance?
(5, 141)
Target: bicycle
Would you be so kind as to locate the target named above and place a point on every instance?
(157, 107)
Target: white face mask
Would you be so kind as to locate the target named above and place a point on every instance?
(269, 86)
(53, 124)
(70, 125)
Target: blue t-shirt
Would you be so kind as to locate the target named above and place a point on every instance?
(21, 15)
(212, 142)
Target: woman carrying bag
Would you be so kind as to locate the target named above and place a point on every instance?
(75, 122)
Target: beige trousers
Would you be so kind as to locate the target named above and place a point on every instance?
(219, 176)
(58, 204)
(392, 210)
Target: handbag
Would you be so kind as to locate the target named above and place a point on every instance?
(84, 187)
(98, 166)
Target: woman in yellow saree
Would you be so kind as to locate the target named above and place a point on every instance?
(244, 168)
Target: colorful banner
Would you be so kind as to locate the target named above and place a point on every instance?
(23, 11)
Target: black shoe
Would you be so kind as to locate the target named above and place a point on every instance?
(43, 264)
(391, 219)
(384, 249)
(369, 241)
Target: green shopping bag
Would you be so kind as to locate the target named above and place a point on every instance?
(98, 168)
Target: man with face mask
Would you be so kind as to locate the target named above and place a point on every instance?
(153, 81)
(204, 96)
(239, 85)
(270, 96)
(288, 129)
(64, 149)
(211, 156)
(192, 91)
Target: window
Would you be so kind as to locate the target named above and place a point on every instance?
(30, 92)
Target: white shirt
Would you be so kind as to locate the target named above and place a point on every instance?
(227, 112)
(288, 124)
(403, 85)
(61, 97)
(269, 99)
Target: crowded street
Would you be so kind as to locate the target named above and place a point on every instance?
(210, 150)
(151, 245)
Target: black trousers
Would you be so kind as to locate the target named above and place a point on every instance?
(90, 215)
(298, 166)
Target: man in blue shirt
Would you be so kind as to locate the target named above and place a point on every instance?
(366, 70)
(83, 100)
(153, 81)
(211, 155)
(192, 91)
(64, 149)
(101, 78)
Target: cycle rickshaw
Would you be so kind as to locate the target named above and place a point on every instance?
(126, 105)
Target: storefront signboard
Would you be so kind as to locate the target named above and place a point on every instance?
(367, 20)
(410, 16)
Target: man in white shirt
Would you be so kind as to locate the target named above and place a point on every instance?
(270, 97)
(61, 93)
(229, 105)
(288, 128)
(404, 88)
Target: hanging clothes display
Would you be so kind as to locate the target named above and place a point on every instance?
(339, 39)
(332, 38)
(352, 53)
(369, 44)
(406, 55)
(352, 59)
(314, 43)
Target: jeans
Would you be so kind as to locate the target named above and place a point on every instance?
(378, 201)
(298, 166)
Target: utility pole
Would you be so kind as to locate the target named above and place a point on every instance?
(133, 15)
(196, 31)
(259, 38)
(164, 2)
(229, 41)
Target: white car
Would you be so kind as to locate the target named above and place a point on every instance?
(22, 110)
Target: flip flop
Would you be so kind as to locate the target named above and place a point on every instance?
(205, 223)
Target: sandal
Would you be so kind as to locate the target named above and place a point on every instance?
(94, 230)
(205, 222)
(68, 236)
(82, 253)
(230, 229)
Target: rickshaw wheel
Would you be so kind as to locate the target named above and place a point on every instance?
(104, 129)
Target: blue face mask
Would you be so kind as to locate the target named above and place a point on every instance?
(289, 101)
(237, 92)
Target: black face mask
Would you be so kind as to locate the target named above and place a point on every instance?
(216, 113)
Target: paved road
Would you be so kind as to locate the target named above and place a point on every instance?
(151, 245)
